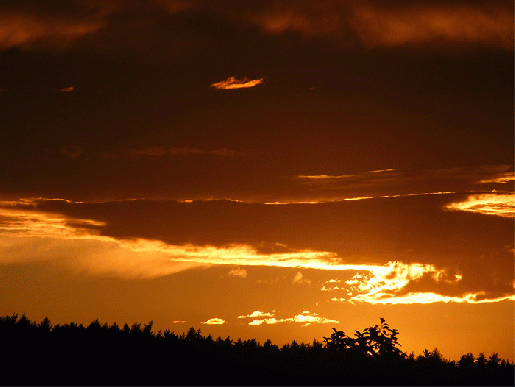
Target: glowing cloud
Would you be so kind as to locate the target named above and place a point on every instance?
(257, 313)
(502, 205)
(74, 243)
(306, 318)
(233, 83)
(214, 321)
(387, 286)
(500, 179)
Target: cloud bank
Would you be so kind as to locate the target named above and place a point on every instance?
(80, 244)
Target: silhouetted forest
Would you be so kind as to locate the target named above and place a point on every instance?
(34, 353)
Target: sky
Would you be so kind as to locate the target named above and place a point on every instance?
(261, 169)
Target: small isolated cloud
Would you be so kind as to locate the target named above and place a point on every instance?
(299, 279)
(214, 321)
(233, 83)
(71, 151)
(67, 89)
(502, 205)
(238, 273)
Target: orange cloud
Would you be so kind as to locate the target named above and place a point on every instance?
(27, 234)
(24, 30)
(306, 318)
(417, 23)
(257, 313)
(67, 89)
(214, 321)
(233, 83)
(502, 205)
(377, 24)
(502, 178)
(388, 285)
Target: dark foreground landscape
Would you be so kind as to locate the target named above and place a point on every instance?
(98, 354)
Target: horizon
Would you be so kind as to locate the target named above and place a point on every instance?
(265, 170)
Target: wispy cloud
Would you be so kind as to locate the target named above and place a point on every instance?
(391, 183)
(502, 205)
(501, 178)
(419, 23)
(238, 273)
(233, 83)
(379, 24)
(160, 151)
(25, 29)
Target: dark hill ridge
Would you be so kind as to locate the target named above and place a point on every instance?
(98, 354)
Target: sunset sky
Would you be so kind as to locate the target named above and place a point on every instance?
(261, 169)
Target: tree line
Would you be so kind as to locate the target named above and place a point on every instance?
(33, 353)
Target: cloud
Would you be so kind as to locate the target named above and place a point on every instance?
(238, 273)
(305, 318)
(386, 24)
(417, 23)
(72, 151)
(99, 238)
(160, 151)
(26, 30)
(299, 279)
(232, 83)
(214, 321)
(257, 313)
(67, 89)
(501, 178)
(502, 205)
(389, 183)
(398, 283)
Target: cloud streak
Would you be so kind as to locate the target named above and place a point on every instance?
(161, 151)
(233, 83)
(305, 318)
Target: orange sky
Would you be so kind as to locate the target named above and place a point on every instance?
(261, 169)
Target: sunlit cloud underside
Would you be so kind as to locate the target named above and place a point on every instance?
(77, 245)
(487, 204)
